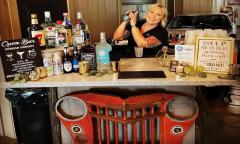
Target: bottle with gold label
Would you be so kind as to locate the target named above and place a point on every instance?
(35, 30)
(68, 26)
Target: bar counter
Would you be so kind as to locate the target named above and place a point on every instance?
(111, 80)
(60, 85)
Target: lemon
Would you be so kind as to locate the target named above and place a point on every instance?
(187, 69)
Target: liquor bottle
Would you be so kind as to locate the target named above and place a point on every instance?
(68, 27)
(49, 29)
(35, 30)
(48, 62)
(61, 35)
(78, 35)
(80, 21)
(65, 15)
(87, 36)
(57, 62)
(67, 62)
(75, 59)
(88, 53)
(102, 53)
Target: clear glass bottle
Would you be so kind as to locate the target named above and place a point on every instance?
(78, 36)
(35, 30)
(61, 35)
(48, 63)
(102, 54)
(49, 29)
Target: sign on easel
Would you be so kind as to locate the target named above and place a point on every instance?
(20, 56)
(215, 54)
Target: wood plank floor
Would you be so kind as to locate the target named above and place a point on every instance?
(222, 123)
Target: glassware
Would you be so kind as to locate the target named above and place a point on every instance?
(102, 54)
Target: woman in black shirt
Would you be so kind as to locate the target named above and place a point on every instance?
(148, 33)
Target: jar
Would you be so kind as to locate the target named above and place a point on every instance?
(57, 63)
(48, 63)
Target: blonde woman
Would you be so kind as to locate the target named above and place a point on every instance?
(148, 33)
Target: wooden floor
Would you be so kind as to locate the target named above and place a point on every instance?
(222, 124)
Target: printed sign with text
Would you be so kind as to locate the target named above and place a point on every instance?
(215, 54)
(20, 56)
(185, 54)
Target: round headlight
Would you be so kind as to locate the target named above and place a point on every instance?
(181, 108)
(71, 108)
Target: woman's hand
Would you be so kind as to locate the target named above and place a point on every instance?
(133, 17)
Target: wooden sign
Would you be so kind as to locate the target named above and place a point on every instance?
(215, 54)
(20, 56)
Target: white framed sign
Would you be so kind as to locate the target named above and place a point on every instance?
(215, 54)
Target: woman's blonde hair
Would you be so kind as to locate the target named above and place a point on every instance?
(165, 12)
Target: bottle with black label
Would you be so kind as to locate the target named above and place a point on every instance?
(35, 30)
(67, 61)
(88, 54)
(75, 60)
(80, 21)
(87, 36)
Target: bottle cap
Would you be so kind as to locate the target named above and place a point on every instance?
(102, 35)
(65, 14)
(79, 15)
(47, 13)
(59, 22)
(33, 16)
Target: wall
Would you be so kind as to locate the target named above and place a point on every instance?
(100, 15)
(217, 4)
(10, 29)
(197, 6)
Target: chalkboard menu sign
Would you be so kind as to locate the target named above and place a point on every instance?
(215, 54)
(20, 56)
